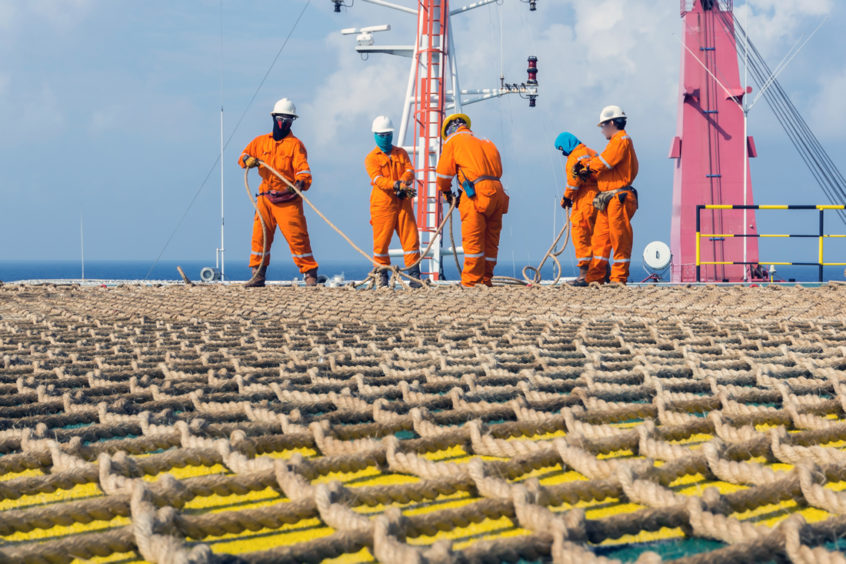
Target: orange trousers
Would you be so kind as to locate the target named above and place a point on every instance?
(292, 223)
(582, 221)
(480, 237)
(399, 220)
(613, 230)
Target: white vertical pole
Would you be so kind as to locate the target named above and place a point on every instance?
(82, 244)
(220, 251)
(746, 145)
(222, 267)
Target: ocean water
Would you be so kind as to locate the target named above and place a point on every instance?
(284, 269)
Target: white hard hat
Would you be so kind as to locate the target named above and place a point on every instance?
(382, 124)
(284, 106)
(611, 112)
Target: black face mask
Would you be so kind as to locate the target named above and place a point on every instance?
(281, 127)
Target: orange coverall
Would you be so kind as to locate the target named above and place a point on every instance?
(583, 214)
(387, 212)
(481, 216)
(615, 168)
(289, 157)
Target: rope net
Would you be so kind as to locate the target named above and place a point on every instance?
(218, 424)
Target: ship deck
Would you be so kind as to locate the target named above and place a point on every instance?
(290, 424)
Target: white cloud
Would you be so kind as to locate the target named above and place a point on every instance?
(354, 94)
(8, 13)
(61, 15)
(828, 107)
(775, 26)
(29, 114)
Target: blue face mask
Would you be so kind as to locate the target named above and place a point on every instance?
(384, 141)
(566, 142)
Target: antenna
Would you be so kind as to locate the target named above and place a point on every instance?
(219, 258)
(82, 243)
(220, 251)
(218, 272)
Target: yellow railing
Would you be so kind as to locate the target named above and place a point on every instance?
(821, 235)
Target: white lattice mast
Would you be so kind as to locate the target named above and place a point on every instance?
(433, 91)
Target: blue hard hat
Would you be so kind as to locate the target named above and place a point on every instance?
(566, 142)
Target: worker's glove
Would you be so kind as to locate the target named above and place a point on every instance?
(410, 192)
(449, 197)
(581, 171)
(399, 190)
(566, 203)
(300, 186)
(250, 162)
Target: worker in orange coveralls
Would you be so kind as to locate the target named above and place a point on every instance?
(614, 169)
(391, 199)
(578, 198)
(482, 201)
(277, 203)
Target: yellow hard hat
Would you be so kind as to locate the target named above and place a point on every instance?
(452, 118)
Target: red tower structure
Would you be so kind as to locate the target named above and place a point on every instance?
(433, 92)
(429, 106)
(712, 151)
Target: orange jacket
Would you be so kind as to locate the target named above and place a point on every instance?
(288, 156)
(576, 185)
(384, 170)
(617, 166)
(470, 158)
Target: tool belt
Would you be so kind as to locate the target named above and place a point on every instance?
(279, 196)
(601, 200)
(470, 186)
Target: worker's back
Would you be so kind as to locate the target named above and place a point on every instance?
(473, 157)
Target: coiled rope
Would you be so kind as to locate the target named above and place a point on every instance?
(535, 279)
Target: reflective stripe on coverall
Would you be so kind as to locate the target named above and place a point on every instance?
(387, 212)
(289, 157)
(615, 168)
(481, 216)
(583, 214)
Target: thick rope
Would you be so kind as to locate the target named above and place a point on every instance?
(535, 279)
(515, 410)
(397, 272)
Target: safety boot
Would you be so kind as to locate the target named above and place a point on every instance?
(384, 276)
(311, 277)
(258, 277)
(607, 273)
(581, 281)
(414, 272)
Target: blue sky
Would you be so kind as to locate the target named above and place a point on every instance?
(111, 108)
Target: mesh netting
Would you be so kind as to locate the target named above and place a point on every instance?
(221, 424)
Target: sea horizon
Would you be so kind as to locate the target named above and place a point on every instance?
(284, 269)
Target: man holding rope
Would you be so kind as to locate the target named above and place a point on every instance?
(392, 178)
(482, 200)
(614, 169)
(277, 203)
(578, 198)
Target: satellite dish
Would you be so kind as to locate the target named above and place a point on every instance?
(657, 256)
(209, 274)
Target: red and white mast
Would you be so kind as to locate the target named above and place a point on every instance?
(433, 92)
